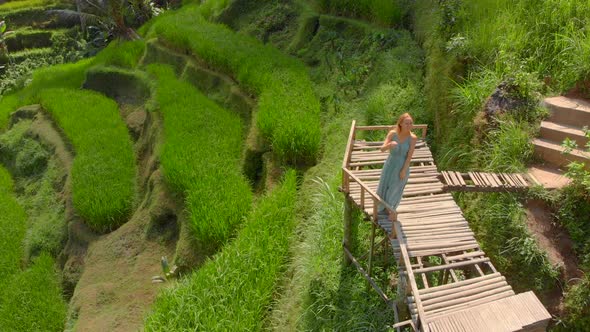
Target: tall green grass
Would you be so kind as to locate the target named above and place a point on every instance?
(288, 111)
(124, 54)
(31, 299)
(13, 225)
(103, 172)
(201, 155)
(385, 12)
(15, 5)
(234, 290)
(499, 223)
(8, 104)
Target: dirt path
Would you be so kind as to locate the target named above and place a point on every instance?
(556, 243)
(115, 290)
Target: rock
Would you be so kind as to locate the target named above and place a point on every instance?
(504, 99)
(135, 122)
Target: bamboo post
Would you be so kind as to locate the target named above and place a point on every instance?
(347, 241)
(371, 252)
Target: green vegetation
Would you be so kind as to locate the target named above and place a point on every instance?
(103, 173)
(288, 112)
(384, 12)
(362, 74)
(523, 50)
(201, 157)
(22, 4)
(121, 54)
(12, 221)
(233, 291)
(31, 299)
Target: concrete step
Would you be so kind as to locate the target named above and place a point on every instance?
(558, 132)
(568, 111)
(550, 151)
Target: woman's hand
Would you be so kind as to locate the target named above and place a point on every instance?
(392, 145)
(402, 174)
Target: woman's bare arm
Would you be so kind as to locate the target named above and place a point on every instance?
(404, 170)
(388, 143)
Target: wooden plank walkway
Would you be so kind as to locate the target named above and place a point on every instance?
(486, 182)
(449, 282)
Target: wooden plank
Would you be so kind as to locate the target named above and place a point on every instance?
(474, 179)
(508, 180)
(522, 180)
(466, 300)
(461, 180)
(462, 283)
(497, 180)
(451, 265)
(446, 178)
(463, 292)
(424, 280)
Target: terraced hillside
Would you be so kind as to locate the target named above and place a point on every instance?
(216, 141)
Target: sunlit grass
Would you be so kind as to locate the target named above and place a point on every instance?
(234, 290)
(103, 172)
(202, 145)
(288, 111)
(22, 4)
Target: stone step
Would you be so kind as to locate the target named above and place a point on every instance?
(568, 111)
(550, 151)
(558, 132)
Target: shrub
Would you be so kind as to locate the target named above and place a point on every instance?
(233, 291)
(200, 157)
(103, 172)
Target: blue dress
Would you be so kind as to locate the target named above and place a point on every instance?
(391, 187)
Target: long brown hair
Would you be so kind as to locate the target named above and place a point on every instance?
(401, 119)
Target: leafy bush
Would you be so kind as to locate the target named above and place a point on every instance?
(234, 290)
(103, 172)
(577, 306)
(288, 112)
(200, 157)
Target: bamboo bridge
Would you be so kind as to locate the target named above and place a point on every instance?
(445, 279)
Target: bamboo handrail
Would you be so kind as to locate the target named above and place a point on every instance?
(349, 145)
(401, 240)
(423, 127)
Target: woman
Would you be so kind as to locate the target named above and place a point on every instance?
(400, 142)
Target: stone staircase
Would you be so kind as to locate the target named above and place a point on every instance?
(568, 117)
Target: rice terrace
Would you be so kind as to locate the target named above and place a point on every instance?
(216, 165)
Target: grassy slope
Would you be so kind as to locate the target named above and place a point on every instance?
(234, 289)
(536, 49)
(200, 157)
(31, 298)
(288, 112)
(103, 173)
